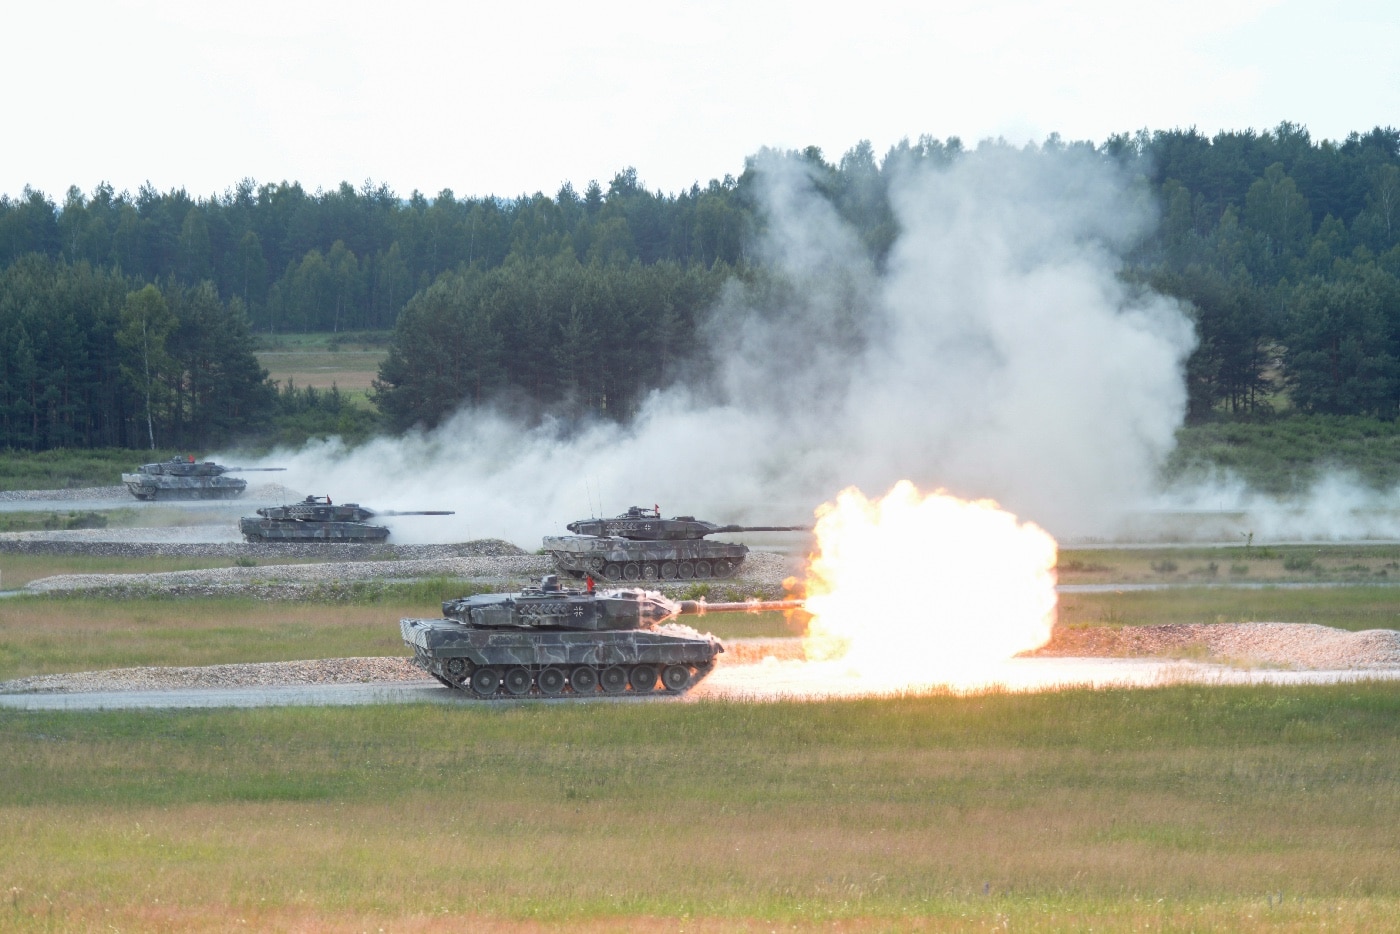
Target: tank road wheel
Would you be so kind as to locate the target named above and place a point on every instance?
(702, 570)
(456, 669)
(552, 681)
(613, 680)
(687, 570)
(584, 680)
(518, 680)
(595, 564)
(613, 572)
(631, 571)
(643, 679)
(485, 681)
(668, 570)
(675, 677)
(649, 571)
(724, 567)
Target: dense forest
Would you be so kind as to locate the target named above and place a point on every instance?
(131, 320)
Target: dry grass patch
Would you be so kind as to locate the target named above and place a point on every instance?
(348, 370)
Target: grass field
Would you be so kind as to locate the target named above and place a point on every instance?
(1167, 809)
(1265, 564)
(350, 361)
(1171, 809)
(1353, 608)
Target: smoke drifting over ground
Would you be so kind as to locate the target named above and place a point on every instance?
(995, 355)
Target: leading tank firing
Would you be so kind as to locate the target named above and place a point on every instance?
(185, 478)
(553, 641)
(317, 519)
(640, 545)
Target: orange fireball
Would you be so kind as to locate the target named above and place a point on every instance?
(919, 589)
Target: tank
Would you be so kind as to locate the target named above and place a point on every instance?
(553, 641)
(640, 545)
(317, 519)
(184, 478)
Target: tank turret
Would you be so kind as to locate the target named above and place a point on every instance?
(317, 519)
(555, 641)
(640, 545)
(186, 478)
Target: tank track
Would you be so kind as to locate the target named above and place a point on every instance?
(515, 682)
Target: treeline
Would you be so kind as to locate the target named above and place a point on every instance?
(90, 358)
(350, 259)
(585, 338)
(1287, 250)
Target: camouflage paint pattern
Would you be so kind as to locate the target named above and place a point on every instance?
(555, 642)
(640, 545)
(317, 519)
(179, 478)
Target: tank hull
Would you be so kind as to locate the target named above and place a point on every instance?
(621, 559)
(500, 663)
(291, 530)
(159, 486)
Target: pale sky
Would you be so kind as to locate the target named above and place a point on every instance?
(512, 98)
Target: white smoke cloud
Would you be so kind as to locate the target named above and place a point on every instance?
(996, 355)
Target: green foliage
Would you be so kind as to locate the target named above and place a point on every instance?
(309, 412)
(71, 468)
(1286, 251)
(587, 338)
(1288, 454)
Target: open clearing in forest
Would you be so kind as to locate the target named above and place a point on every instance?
(1186, 807)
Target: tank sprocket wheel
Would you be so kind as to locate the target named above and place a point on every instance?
(551, 681)
(649, 571)
(675, 677)
(686, 570)
(643, 678)
(613, 679)
(612, 572)
(668, 570)
(631, 571)
(517, 680)
(595, 564)
(584, 679)
(455, 669)
(485, 681)
(702, 570)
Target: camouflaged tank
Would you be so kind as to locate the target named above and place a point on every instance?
(317, 519)
(184, 478)
(551, 641)
(640, 545)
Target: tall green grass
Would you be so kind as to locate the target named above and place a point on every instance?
(70, 468)
(1171, 808)
(1287, 454)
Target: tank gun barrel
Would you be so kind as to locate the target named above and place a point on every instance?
(700, 607)
(414, 512)
(762, 528)
(251, 469)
